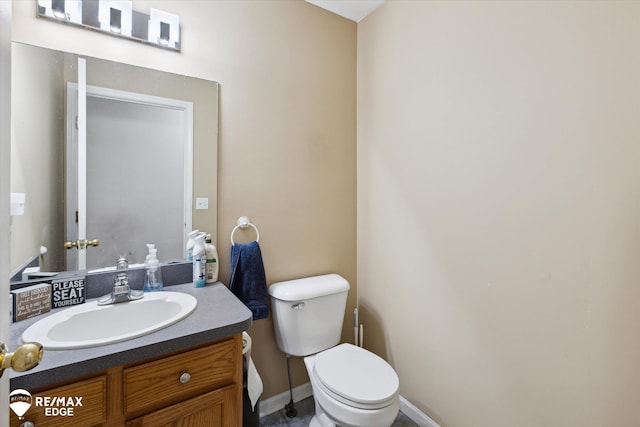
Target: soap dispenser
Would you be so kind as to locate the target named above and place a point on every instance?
(153, 276)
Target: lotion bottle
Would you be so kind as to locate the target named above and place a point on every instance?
(212, 260)
(199, 261)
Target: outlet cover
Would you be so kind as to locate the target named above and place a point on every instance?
(202, 203)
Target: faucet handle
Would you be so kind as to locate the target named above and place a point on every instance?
(122, 279)
(122, 263)
(121, 285)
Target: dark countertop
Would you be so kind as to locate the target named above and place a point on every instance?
(219, 314)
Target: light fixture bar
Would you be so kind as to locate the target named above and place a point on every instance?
(115, 17)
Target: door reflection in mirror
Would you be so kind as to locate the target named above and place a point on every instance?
(137, 176)
(137, 151)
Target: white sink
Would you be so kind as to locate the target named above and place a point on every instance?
(91, 325)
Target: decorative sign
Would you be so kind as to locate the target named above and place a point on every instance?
(67, 291)
(31, 301)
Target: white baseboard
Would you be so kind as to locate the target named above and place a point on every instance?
(278, 402)
(415, 414)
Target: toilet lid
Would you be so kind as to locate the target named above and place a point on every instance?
(356, 376)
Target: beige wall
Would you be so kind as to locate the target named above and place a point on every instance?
(287, 150)
(499, 208)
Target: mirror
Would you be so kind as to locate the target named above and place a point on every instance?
(38, 159)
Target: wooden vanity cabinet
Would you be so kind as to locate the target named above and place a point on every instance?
(200, 386)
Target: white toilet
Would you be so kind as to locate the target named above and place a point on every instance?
(352, 387)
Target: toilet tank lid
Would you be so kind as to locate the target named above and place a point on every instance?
(309, 287)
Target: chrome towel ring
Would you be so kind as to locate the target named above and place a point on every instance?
(244, 223)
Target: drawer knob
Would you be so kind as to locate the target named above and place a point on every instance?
(185, 378)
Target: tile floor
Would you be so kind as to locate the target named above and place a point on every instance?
(306, 409)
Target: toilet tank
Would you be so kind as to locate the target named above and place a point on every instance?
(308, 313)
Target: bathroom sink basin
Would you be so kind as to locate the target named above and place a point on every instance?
(91, 325)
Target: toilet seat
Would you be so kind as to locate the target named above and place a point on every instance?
(356, 377)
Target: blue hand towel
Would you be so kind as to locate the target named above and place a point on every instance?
(248, 281)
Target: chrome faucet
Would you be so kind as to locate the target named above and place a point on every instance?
(121, 290)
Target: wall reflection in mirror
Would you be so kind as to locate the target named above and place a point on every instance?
(143, 173)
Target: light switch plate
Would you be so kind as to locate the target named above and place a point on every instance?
(202, 203)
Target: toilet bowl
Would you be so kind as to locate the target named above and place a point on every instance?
(352, 387)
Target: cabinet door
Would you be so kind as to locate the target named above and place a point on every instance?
(217, 408)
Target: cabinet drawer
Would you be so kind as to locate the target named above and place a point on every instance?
(166, 381)
(46, 410)
(212, 409)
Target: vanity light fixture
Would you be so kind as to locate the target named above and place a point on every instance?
(115, 17)
(63, 10)
(164, 28)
